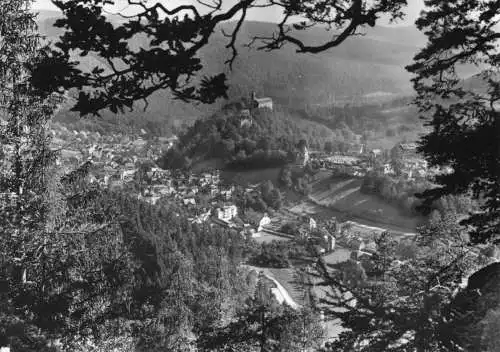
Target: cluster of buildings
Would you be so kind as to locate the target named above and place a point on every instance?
(326, 237)
(414, 165)
(117, 161)
(359, 164)
(185, 187)
(204, 195)
(114, 157)
(350, 165)
(113, 145)
(360, 248)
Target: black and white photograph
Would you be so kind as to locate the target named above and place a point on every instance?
(249, 176)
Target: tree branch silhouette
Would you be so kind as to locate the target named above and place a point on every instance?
(169, 42)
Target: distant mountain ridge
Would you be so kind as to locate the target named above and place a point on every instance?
(363, 69)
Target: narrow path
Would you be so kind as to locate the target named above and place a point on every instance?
(284, 293)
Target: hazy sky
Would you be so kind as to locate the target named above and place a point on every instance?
(268, 14)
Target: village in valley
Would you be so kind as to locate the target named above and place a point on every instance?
(129, 162)
(119, 161)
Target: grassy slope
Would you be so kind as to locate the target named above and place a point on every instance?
(343, 194)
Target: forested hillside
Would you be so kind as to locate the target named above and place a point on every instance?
(270, 139)
(336, 77)
(158, 277)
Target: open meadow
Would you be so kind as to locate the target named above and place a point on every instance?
(344, 195)
(249, 177)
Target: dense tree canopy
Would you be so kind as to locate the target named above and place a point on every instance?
(175, 37)
(464, 115)
(402, 303)
(79, 263)
(267, 142)
(24, 168)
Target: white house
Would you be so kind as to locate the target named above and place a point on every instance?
(329, 243)
(187, 201)
(343, 160)
(128, 175)
(227, 212)
(312, 224)
(266, 220)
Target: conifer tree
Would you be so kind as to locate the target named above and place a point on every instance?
(61, 261)
(25, 115)
(463, 114)
(26, 159)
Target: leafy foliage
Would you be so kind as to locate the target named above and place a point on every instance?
(465, 121)
(138, 271)
(403, 304)
(398, 191)
(270, 141)
(272, 255)
(175, 37)
(79, 263)
(25, 165)
(297, 180)
(264, 325)
(265, 198)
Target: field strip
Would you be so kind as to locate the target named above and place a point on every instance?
(376, 228)
(337, 186)
(328, 198)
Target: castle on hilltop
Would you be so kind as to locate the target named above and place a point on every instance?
(261, 103)
(246, 119)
